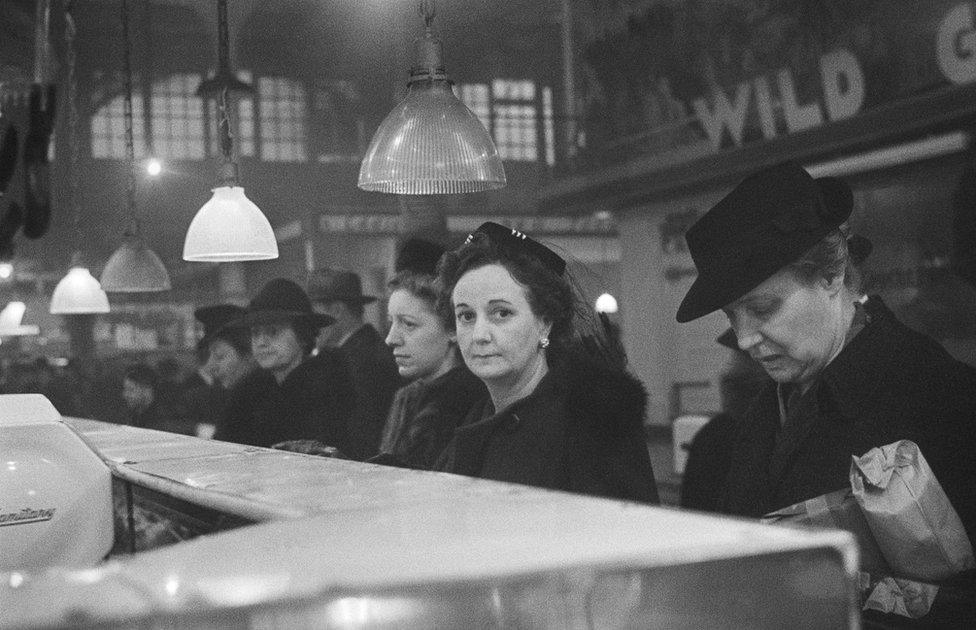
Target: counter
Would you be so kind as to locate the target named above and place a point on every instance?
(338, 544)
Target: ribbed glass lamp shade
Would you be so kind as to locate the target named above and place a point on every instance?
(134, 268)
(78, 293)
(10, 321)
(229, 228)
(431, 144)
(606, 303)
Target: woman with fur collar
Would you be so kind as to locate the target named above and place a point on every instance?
(561, 412)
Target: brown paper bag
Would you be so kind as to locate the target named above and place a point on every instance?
(915, 526)
(835, 510)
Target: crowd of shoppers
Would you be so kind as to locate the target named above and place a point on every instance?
(494, 366)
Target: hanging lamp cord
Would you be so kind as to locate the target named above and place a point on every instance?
(132, 227)
(72, 96)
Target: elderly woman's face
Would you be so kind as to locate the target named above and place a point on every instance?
(276, 347)
(421, 346)
(790, 328)
(497, 332)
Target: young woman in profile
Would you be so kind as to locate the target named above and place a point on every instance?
(559, 410)
(426, 411)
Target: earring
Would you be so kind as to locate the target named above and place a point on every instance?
(544, 343)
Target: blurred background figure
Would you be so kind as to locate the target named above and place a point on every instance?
(140, 390)
(38, 376)
(441, 389)
(223, 359)
(294, 401)
(339, 295)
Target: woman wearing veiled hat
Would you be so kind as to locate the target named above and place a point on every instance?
(560, 411)
(441, 389)
(776, 256)
(294, 401)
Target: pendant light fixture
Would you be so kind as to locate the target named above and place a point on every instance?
(229, 227)
(431, 143)
(78, 292)
(133, 267)
(11, 321)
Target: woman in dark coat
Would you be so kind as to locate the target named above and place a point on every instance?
(776, 256)
(561, 412)
(294, 401)
(427, 410)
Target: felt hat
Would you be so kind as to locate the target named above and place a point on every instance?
(336, 285)
(512, 240)
(767, 222)
(419, 256)
(216, 319)
(282, 300)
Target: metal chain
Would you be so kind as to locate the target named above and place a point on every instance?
(72, 97)
(130, 153)
(226, 137)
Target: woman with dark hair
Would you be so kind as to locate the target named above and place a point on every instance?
(560, 411)
(426, 411)
(293, 400)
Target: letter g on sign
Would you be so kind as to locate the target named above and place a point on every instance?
(956, 45)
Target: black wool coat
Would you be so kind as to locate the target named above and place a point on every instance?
(424, 415)
(312, 403)
(888, 383)
(581, 430)
(375, 379)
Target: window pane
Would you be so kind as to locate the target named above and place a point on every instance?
(515, 119)
(108, 129)
(475, 97)
(283, 115)
(178, 118)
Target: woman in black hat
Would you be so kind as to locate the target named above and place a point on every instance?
(441, 389)
(293, 396)
(223, 359)
(560, 411)
(776, 256)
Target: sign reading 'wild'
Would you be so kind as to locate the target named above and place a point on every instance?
(724, 74)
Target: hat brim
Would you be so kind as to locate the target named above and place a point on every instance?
(273, 316)
(725, 281)
(353, 299)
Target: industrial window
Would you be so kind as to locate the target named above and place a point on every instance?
(177, 118)
(475, 96)
(512, 113)
(283, 109)
(339, 128)
(108, 129)
(177, 122)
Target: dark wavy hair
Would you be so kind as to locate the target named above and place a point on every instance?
(554, 298)
(424, 286)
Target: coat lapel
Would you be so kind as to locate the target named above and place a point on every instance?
(800, 421)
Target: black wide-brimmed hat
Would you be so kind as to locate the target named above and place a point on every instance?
(336, 285)
(282, 300)
(767, 222)
(418, 256)
(216, 319)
